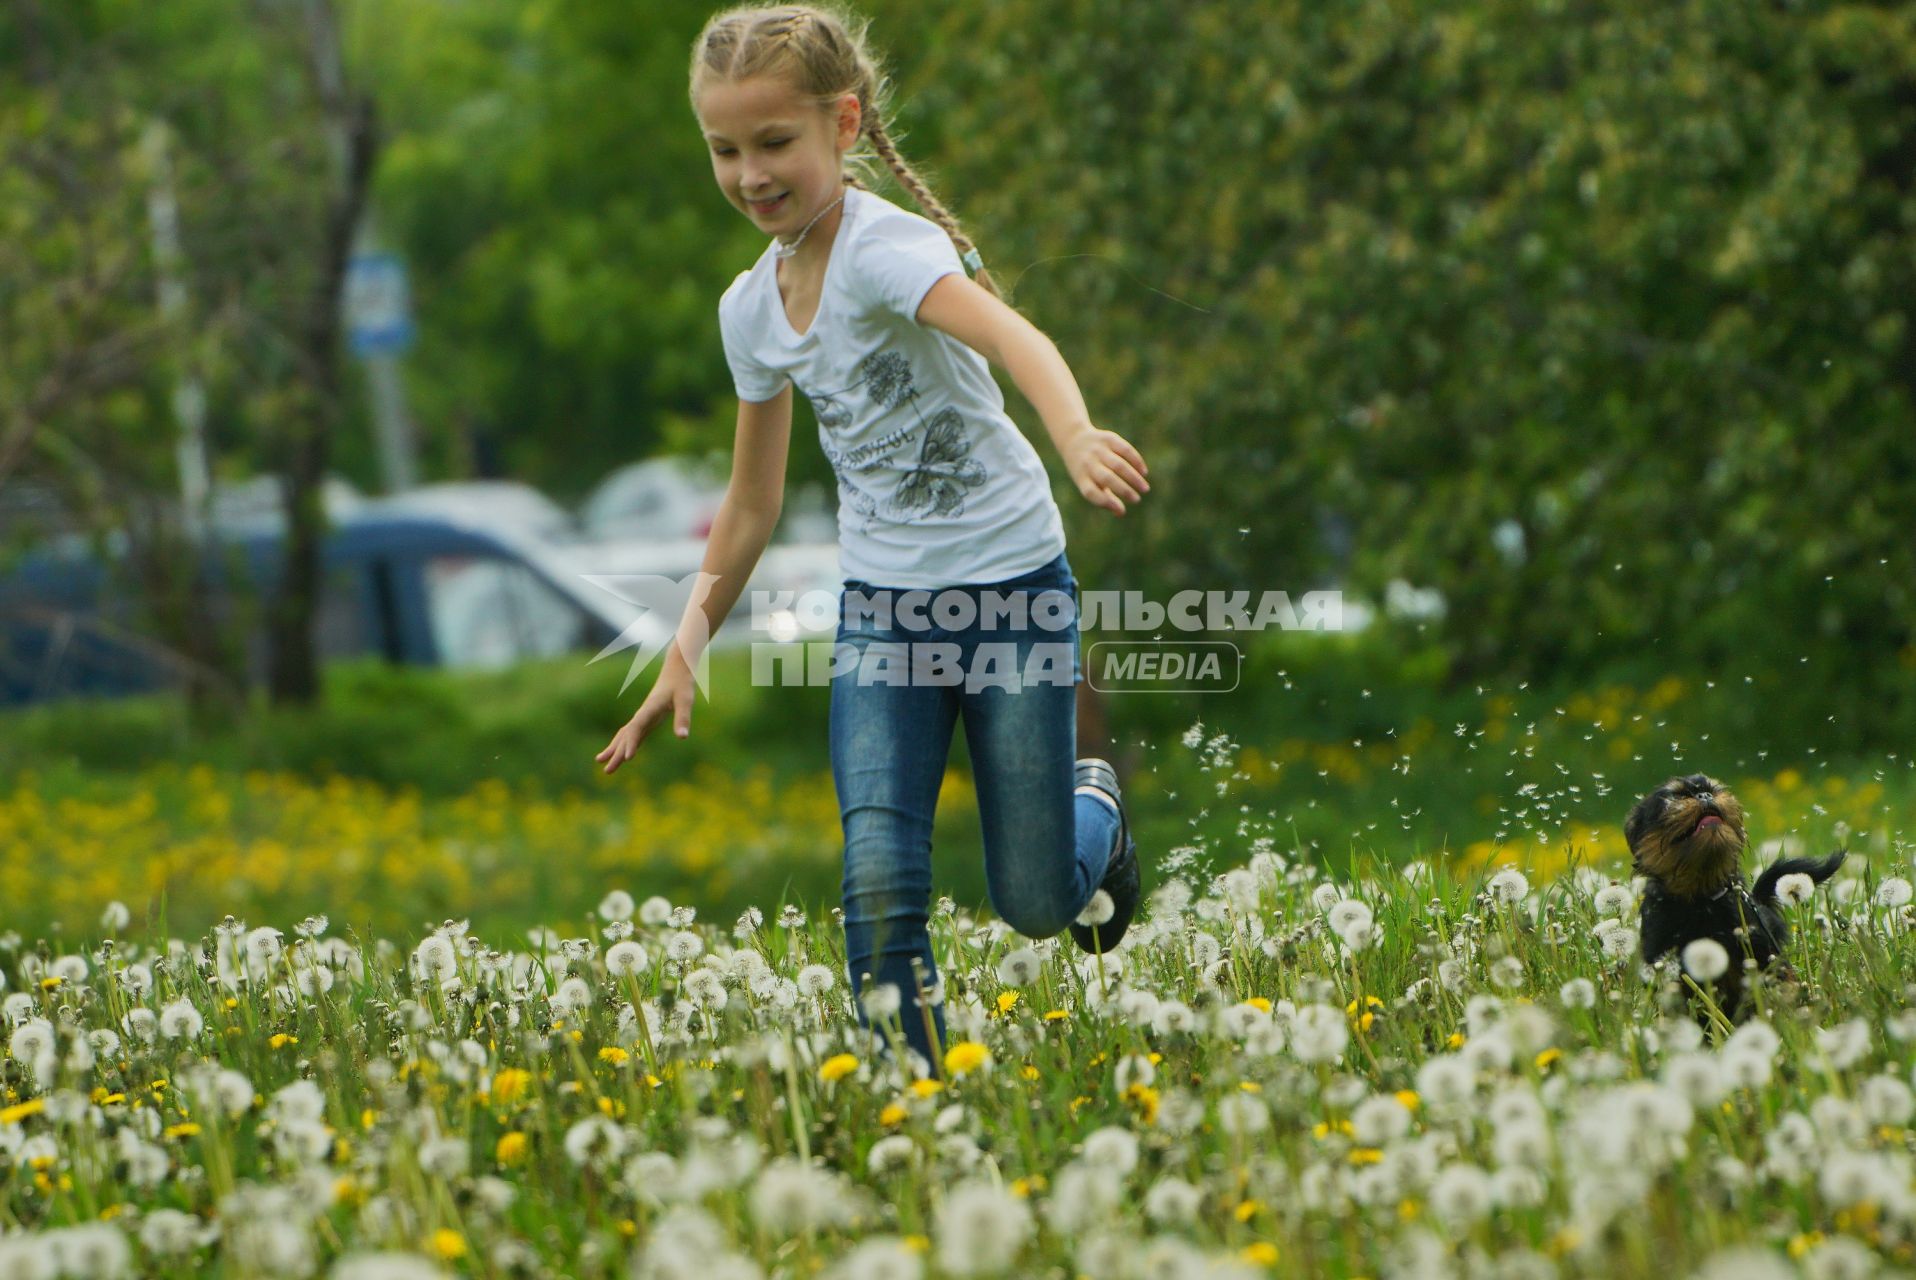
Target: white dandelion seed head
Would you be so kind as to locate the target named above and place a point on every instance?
(1348, 912)
(1755, 1036)
(1380, 1120)
(1743, 1068)
(1082, 1195)
(815, 980)
(1327, 895)
(1614, 900)
(1319, 1033)
(1893, 892)
(881, 1000)
(385, 1264)
(1112, 1148)
(1446, 1082)
(1174, 1016)
(616, 906)
(1507, 973)
(69, 968)
(881, 1258)
(1746, 1262)
(181, 1020)
(1705, 960)
(1697, 1076)
(1618, 940)
(1509, 885)
(1578, 993)
(789, 1197)
(1887, 1100)
(595, 1140)
(980, 1229)
(1019, 967)
(626, 959)
(1846, 1043)
(1098, 911)
(1461, 1195)
(32, 1039)
(1172, 1202)
(1795, 889)
(1242, 1115)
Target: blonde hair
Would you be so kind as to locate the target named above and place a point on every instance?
(823, 53)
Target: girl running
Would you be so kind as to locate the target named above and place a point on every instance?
(958, 600)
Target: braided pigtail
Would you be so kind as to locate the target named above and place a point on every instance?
(934, 207)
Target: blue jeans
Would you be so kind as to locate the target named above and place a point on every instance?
(1012, 677)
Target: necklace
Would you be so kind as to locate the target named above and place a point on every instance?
(787, 250)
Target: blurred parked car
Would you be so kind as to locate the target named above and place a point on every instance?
(417, 589)
(507, 504)
(665, 498)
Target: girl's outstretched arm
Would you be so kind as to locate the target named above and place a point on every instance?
(1105, 466)
(739, 534)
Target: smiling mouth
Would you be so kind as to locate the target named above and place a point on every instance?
(766, 206)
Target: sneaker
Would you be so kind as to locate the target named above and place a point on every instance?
(1121, 879)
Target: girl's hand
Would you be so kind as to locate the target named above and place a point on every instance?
(1107, 468)
(672, 694)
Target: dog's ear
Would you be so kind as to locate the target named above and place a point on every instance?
(1642, 815)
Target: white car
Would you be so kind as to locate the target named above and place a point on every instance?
(491, 504)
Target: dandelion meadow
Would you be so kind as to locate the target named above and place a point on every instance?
(1452, 1065)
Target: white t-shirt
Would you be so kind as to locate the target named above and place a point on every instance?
(936, 485)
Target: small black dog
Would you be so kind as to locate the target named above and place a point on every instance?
(1686, 837)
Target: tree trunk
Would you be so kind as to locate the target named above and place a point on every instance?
(292, 663)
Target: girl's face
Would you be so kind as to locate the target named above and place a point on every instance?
(776, 156)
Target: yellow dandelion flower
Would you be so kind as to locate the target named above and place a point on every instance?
(894, 1113)
(510, 1084)
(1006, 999)
(511, 1148)
(1247, 1209)
(281, 1040)
(918, 1244)
(1259, 1003)
(966, 1056)
(1409, 1099)
(184, 1130)
(1056, 1015)
(446, 1244)
(614, 1055)
(1365, 1155)
(15, 1114)
(1259, 1253)
(838, 1067)
(1548, 1058)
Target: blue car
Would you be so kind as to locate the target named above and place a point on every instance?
(411, 588)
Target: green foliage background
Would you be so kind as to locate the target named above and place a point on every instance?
(1594, 317)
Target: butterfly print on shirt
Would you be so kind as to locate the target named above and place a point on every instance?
(945, 472)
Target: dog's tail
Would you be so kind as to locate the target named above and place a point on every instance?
(1817, 869)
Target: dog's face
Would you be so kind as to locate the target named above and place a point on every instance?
(1688, 833)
